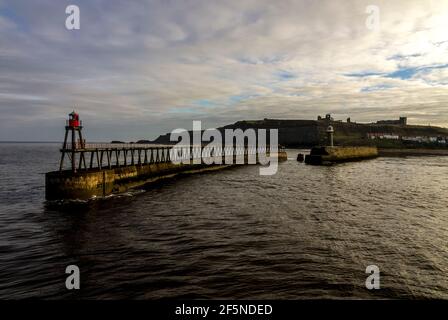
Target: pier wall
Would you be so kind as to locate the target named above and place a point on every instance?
(322, 155)
(347, 153)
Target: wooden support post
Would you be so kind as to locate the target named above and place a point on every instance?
(62, 161)
(84, 160)
(109, 158)
(91, 159)
(73, 151)
(64, 146)
(101, 157)
(98, 159)
(81, 141)
(80, 160)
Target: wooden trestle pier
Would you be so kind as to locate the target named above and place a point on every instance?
(113, 155)
(96, 170)
(91, 156)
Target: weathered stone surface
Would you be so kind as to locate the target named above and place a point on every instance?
(324, 155)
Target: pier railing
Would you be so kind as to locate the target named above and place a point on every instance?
(121, 145)
(88, 156)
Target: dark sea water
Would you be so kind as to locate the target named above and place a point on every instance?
(306, 232)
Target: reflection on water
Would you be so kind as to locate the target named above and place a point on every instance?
(306, 232)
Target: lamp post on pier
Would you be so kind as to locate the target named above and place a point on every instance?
(330, 132)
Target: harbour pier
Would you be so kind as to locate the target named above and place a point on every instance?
(322, 155)
(98, 170)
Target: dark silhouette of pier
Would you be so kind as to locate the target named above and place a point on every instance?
(105, 168)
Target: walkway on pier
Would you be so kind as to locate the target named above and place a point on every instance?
(89, 156)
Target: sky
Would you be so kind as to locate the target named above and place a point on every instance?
(137, 69)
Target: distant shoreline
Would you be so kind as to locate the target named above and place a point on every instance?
(31, 142)
(412, 152)
(39, 142)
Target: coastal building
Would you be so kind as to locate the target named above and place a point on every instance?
(402, 121)
(327, 118)
(380, 135)
(418, 139)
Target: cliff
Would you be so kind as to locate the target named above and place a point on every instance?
(307, 133)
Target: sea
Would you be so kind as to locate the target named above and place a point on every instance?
(307, 232)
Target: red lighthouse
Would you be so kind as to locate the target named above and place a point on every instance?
(73, 120)
(73, 125)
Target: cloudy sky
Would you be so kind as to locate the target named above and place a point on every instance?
(137, 69)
